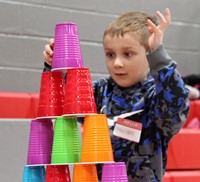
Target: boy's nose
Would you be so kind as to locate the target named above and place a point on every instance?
(118, 62)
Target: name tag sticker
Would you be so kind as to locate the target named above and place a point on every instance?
(128, 129)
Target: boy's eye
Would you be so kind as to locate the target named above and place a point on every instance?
(128, 54)
(110, 54)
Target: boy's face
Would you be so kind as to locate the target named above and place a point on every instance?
(125, 59)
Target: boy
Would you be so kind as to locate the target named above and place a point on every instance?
(142, 77)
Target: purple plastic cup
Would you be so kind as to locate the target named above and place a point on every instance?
(114, 172)
(67, 49)
(40, 142)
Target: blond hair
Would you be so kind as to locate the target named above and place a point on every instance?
(133, 22)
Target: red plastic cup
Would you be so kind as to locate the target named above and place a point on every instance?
(51, 97)
(67, 49)
(40, 142)
(79, 97)
(114, 172)
(57, 173)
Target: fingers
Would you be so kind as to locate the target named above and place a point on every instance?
(157, 31)
(164, 20)
(47, 58)
(168, 15)
(48, 49)
(51, 43)
(152, 27)
(48, 52)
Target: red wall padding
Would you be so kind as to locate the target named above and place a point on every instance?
(184, 150)
(182, 176)
(18, 105)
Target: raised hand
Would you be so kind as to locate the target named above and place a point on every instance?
(157, 32)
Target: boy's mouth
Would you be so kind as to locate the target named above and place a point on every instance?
(120, 74)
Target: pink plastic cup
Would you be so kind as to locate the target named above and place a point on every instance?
(67, 50)
(51, 97)
(79, 97)
(114, 172)
(40, 142)
(57, 173)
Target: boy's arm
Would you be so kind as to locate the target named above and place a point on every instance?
(171, 96)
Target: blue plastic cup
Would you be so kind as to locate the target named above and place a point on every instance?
(34, 174)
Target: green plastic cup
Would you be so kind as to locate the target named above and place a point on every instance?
(66, 142)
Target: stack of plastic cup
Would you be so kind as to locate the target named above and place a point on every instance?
(67, 50)
(34, 174)
(66, 142)
(51, 97)
(79, 97)
(96, 146)
(57, 173)
(85, 172)
(114, 172)
(40, 142)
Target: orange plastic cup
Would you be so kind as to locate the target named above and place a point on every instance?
(51, 96)
(96, 146)
(57, 173)
(79, 97)
(85, 172)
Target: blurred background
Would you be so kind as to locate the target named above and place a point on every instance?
(27, 25)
